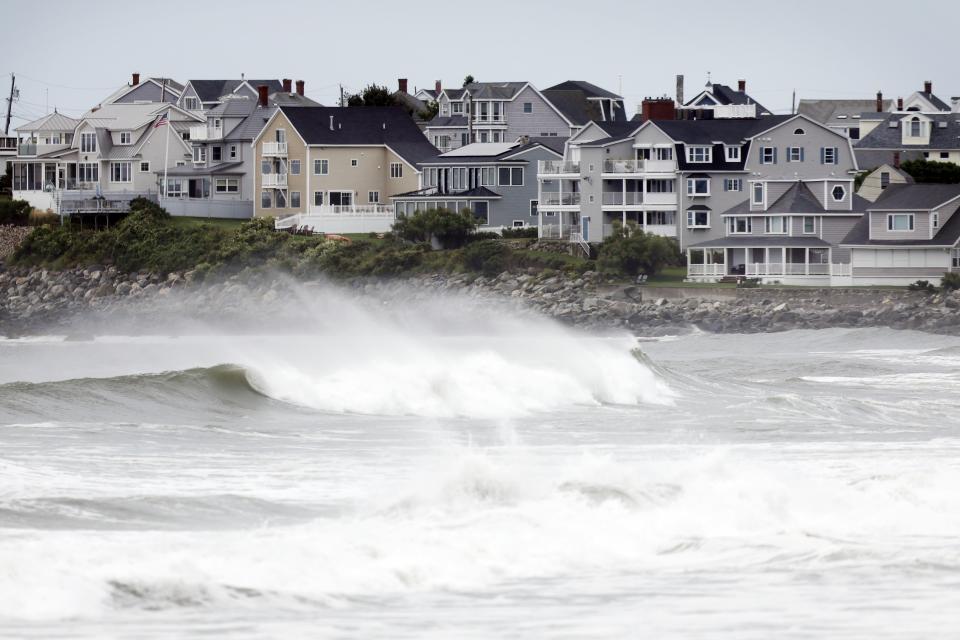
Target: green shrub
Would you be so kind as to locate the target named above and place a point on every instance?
(15, 212)
(450, 229)
(630, 251)
(950, 281)
(520, 232)
(489, 257)
(922, 285)
(932, 171)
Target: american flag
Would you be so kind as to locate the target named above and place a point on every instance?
(162, 121)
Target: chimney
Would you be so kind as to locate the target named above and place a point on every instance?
(263, 95)
(879, 102)
(658, 109)
(927, 86)
(331, 123)
(896, 159)
(136, 80)
(899, 104)
(742, 86)
(287, 85)
(437, 86)
(680, 90)
(403, 85)
(300, 87)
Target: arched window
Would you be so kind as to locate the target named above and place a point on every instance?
(799, 132)
(916, 127)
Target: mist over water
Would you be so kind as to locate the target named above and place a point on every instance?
(444, 468)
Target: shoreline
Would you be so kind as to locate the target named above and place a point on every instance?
(37, 301)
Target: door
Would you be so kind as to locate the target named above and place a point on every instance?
(585, 228)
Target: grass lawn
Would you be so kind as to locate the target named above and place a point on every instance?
(226, 223)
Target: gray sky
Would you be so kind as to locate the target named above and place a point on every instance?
(72, 54)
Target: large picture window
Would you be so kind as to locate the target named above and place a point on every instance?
(511, 176)
(900, 222)
(120, 171)
(88, 143)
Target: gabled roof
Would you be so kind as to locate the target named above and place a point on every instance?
(829, 111)
(252, 125)
(588, 89)
(234, 107)
(744, 241)
(433, 194)
(553, 143)
(53, 122)
(721, 130)
(916, 197)
(169, 84)
(213, 90)
(490, 152)
(495, 90)
(362, 126)
(131, 115)
(798, 199)
(448, 121)
(884, 136)
(725, 95)
(937, 103)
(285, 99)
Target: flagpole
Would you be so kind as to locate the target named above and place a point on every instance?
(166, 160)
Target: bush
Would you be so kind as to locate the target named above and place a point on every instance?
(520, 232)
(450, 229)
(489, 257)
(932, 172)
(950, 281)
(630, 251)
(922, 285)
(15, 212)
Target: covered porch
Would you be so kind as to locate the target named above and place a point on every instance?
(768, 259)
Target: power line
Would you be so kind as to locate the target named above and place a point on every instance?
(63, 86)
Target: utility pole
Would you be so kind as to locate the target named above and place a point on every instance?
(470, 139)
(793, 103)
(13, 80)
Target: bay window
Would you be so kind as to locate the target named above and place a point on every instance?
(698, 218)
(698, 186)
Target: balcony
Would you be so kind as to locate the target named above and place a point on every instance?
(663, 199)
(555, 199)
(618, 198)
(274, 148)
(274, 181)
(203, 132)
(636, 167)
(29, 149)
(557, 168)
(490, 118)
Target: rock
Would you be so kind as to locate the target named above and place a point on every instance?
(780, 307)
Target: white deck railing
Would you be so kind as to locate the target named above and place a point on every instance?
(618, 198)
(707, 269)
(559, 199)
(274, 148)
(556, 167)
(274, 180)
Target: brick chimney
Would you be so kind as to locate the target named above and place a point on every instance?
(658, 109)
(879, 102)
(263, 95)
(287, 85)
(402, 82)
(742, 86)
(896, 159)
(438, 87)
(899, 104)
(927, 86)
(680, 90)
(135, 80)
(300, 87)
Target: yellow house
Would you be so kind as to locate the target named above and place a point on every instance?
(334, 165)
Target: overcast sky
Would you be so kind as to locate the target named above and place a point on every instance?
(72, 54)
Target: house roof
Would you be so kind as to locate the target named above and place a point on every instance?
(390, 126)
(798, 199)
(52, 122)
(494, 90)
(745, 241)
(213, 90)
(948, 236)
(727, 95)
(554, 143)
(285, 99)
(432, 193)
(915, 197)
(573, 99)
(251, 126)
(828, 111)
(448, 121)
(725, 130)
(489, 152)
(934, 100)
(884, 136)
(226, 168)
(126, 115)
(234, 107)
(587, 88)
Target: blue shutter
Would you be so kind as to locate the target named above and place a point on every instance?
(823, 152)
(836, 155)
(774, 155)
(762, 154)
(801, 154)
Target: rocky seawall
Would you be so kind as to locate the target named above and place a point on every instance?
(39, 301)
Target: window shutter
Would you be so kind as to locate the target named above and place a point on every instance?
(836, 155)
(801, 154)
(774, 155)
(823, 152)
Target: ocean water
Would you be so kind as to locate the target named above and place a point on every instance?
(416, 474)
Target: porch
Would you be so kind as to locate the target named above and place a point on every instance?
(801, 261)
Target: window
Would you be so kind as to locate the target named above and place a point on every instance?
(794, 154)
(916, 128)
(266, 167)
(699, 154)
(511, 176)
(373, 197)
(740, 224)
(88, 172)
(732, 184)
(481, 211)
(488, 176)
(233, 151)
(281, 135)
(884, 179)
(144, 167)
(799, 132)
(838, 193)
(534, 207)
(266, 201)
(528, 107)
(900, 222)
(519, 223)
(698, 186)
(217, 123)
(733, 154)
(281, 199)
(191, 104)
(456, 107)
(226, 185)
(768, 155)
(126, 137)
(396, 170)
(664, 153)
(321, 167)
(776, 224)
(175, 188)
(120, 171)
(294, 199)
(698, 218)
(341, 198)
(354, 162)
(828, 155)
(662, 217)
(809, 224)
(660, 186)
(944, 155)
(200, 155)
(88, 142)
(936, 219)
(216, 154)
(294, 167)
(758, 194)
(318, 198)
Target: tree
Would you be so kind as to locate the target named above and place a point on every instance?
(430, 111)
(450, 229)
(932, 172)
(6, 180)
(468, 80)
(630, 251)
(373, 95)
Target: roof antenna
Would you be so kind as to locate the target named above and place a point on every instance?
(709, 84)
(243, 77)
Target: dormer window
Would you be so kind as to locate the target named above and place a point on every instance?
(916, 128)
(733, 154)
(456, 108)
(125, 137)
(757, 195)
(88, 143)
(191, 104)
(838, 193)
(699, 154)
(900, 222)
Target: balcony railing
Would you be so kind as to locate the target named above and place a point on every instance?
(660, 198)
(489, 118)
(274, 148)
(623, 167)
(557, 167)
(559, 199)
(706, 269)
(788, 269)
(622, 199)
(29, 149)
(203, 132)
(274, 180)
